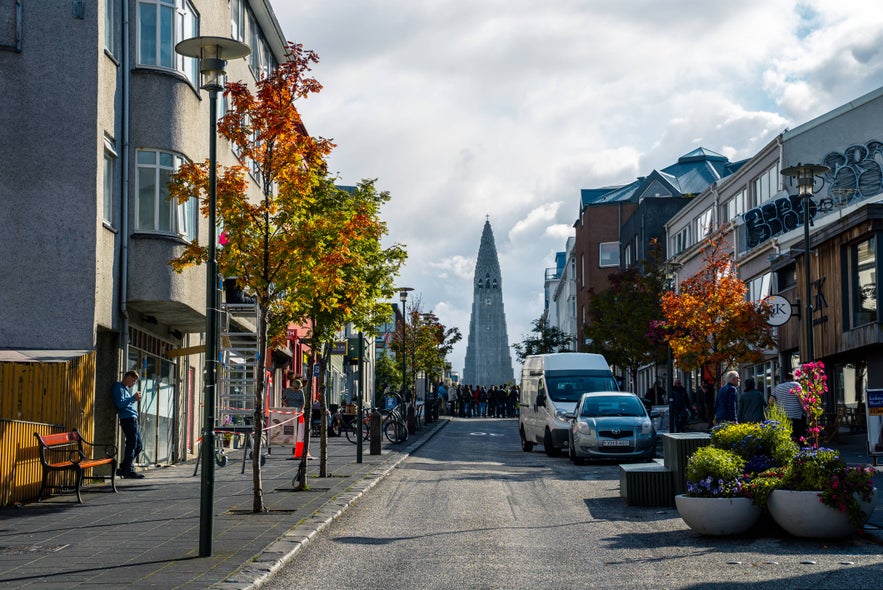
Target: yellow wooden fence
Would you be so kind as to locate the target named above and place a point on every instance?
(45, 396)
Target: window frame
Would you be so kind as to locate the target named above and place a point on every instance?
(109, 176)
(858, 315)
(176, 214)
(610, 247)
(185, 23)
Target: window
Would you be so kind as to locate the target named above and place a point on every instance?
(155, 212)
(736, 206)
(260, 59)
(863, 282)
(109, 25)
(681, 241)
(237, 20)
(704, 223)
(786, 278)
(161, 24)
(767, 184)
(759, 287)
(608, 254)
(108, 190)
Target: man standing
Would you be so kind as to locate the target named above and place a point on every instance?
(126, 403)
(784, 395)
(751, 403)
(725, 404)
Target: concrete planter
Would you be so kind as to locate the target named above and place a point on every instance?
(717, 516)
(803, 515)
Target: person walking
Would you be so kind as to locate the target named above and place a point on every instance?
(751, 403)
(126, 404)
(727, 396)
(680, 402)
(784, 395)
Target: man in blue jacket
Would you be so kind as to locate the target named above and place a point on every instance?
(727, 397)
(126, 403)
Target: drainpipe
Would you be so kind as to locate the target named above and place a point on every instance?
(124, 198)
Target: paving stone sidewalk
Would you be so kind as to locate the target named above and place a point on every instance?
(147, 535)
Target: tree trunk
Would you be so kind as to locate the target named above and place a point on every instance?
(323, 408)
(258, 417)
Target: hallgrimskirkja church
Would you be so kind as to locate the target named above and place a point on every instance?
(488, 359)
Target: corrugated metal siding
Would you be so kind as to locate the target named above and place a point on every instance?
(20, 471)
(43, 397)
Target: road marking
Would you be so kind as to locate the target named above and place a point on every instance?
(484, 434)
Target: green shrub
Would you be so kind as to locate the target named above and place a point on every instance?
(762, 444)
(713, 472)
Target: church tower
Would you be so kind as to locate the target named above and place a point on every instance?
(488, 361)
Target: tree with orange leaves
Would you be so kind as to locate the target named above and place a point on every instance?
(709, 323)
(260, 242)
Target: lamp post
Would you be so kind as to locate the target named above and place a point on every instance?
(403, 297)
(805, 174)
(212, 53)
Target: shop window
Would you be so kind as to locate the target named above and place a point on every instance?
(863, 298)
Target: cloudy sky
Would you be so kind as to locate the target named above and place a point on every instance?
(507, 108)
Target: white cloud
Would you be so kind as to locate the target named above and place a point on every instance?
(508, 108)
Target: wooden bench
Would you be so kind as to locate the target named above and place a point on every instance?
(66, 452)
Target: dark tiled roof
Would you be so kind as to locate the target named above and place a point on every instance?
(691, 174)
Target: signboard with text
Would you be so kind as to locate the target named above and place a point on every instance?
(875, 421)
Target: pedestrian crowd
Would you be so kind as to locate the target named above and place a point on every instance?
(478, 401)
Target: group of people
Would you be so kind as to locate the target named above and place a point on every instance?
(468, 401)
(748, 404)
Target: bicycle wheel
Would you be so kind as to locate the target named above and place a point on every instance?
(395, 431)
(351, 431)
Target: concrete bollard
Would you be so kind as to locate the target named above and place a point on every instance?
(375, 432)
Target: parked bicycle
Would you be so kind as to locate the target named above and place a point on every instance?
(392, 425)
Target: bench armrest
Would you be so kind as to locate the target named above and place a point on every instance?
(109, 449)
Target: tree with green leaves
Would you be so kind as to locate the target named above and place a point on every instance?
(618, 318)
(339, 273)
(548, 339)
(261, 243)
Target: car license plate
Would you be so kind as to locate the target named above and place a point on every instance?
(615, 443)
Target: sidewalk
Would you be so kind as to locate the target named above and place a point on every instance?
(147, 535)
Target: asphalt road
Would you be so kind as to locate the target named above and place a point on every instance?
(470, 509)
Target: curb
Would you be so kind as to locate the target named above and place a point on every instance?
(256, 572)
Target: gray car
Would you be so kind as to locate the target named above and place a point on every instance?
(611, 425)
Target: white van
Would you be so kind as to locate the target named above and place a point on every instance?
(551, 385)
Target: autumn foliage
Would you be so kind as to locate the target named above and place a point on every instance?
(709, 323)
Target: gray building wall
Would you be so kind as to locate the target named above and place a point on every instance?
(66, 267)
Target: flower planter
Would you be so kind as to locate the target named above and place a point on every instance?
(717, 516)
(803, 515)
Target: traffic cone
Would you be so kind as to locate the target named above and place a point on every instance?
(298, 450)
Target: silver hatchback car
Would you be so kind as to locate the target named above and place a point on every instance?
(611, 425)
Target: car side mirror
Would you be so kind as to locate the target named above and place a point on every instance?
(569, 415)
(541, 399)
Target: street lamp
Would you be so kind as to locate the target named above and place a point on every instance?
(403, 297)
(805, 174)
(213, 53)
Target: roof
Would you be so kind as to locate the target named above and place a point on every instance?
(8, 355)
(691, 174)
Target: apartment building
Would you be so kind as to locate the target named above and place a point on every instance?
(99, 112)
